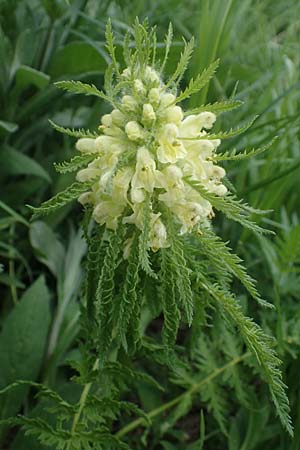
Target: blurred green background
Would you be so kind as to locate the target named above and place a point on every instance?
(42, 41)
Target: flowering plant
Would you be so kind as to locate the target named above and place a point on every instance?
(149, 180)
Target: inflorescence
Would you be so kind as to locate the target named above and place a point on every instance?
(146, 152)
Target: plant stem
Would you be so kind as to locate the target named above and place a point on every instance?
(195, 388)
(82, 401)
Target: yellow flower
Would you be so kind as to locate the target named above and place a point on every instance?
(158, 234)
(161, 149)
(134, 131)
(170, 179)
(86, 145)
(191, 126)
(145, 171)
(108, 212)
(170, 148)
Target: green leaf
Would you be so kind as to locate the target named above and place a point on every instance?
(47, 247)
(8, 127)
(61, 199)
(224, 134)
(171, 312)
(234, 209)
(80, 133)
(129, 296)
(260, 345)
(77, 87)
(217, 108)
(76, 58)
(77, 162)
(144, 258)
(234, 155)
(13, 162)
(200, 81)
(168, 43)
(218, 253)
(183, 63)
(16, 217)
(106, 290)
(22, 343)
(26, 76)
(110, 39)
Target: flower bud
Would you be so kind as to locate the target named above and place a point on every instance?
(148, 114)
(151, 76)
(167, 99)
(85, 198)
(134, 131)
(206, 119)
(174, 114)
(118, 118)
(87, 174)
(139, 87)
(129, 103)
(154, 97)
(86, 145)
(106, 120)
(126, 73)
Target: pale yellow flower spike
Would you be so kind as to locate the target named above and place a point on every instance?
(166, 147)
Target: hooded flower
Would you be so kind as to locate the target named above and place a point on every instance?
(147, 152)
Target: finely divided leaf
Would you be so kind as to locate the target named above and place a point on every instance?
(197, 84)
(80, 133)
(218, 253)
(217, 108)
(258, 343)
(232, 208)
(168, 42)
(61, 199)
(77, 162)
(234, 155)
(223, 134)
(77, 87)
(182, 64)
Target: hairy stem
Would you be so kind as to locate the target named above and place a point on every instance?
(195, 388)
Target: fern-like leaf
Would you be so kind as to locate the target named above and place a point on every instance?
(218, 253)
(80, 133)
(76, 163)
(197, 84)
(232, 208)
(234, 155)
(105, 290)
(110, 40)
(259, 344)
(77, 87)
(144, 241)
(217, 108)
(223, 134)
(61, 199)
(169, 303)
(178, 265)
(182, 64)
(168, 43)
(128, 296)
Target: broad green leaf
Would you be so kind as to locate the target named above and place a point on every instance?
(26, 76)
(13, 162)
(8, 127)
(48, 248)
(22, 344)
(76, 58)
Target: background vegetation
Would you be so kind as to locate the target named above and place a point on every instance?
(42, 41)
